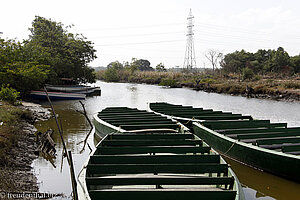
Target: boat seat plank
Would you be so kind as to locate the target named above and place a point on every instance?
(141, 122)
(146, 119)
(237, 135)
(163, 194)
(150, 136)
(153, 159)
(124, 111)
(276, 146)
(155, 149)
(258, 130)
(165, 142)
(155, 180)
(194, 168)
(267, 135)
(147, 126)
(222, 117)
(295, 152)
(126, 115)
(131, 117)
(278, 140)
(245, 124)
(291, 148)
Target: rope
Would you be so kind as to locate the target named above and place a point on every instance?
(190, 120)
(230, 147)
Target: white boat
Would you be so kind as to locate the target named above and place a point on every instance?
(41, 95)
(83, 89)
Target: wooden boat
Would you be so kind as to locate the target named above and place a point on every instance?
(41, 95)
(271, 147)
(81, 89)
(144, 156)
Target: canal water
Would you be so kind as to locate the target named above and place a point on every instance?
(256, 184)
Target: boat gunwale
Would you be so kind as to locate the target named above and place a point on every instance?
(81, 177)
(100, 121)
(247, 145)
(250, 145)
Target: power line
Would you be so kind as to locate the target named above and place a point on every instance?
(138, 43)
(135, 35)
(133, 27)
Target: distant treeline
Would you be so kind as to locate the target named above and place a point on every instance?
(50, 53)
(261, 62)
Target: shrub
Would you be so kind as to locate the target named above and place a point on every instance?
(9, 94)
(111, 75)
(169, 82)
(247, 74)
(290, 84)
(257, 78)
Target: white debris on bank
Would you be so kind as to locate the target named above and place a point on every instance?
(38, 112)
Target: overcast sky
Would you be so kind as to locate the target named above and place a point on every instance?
(156, 30)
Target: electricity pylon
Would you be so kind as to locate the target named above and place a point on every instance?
(190, 60)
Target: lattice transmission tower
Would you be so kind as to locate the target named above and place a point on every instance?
(190, 59)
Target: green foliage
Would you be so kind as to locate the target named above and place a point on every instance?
(9, 94)
(116, 65)
(111, 75)
(292, 84)
(247, 73)
(169, 82)
(140, 64)
(24, 76)
(161, 68)
(257, 77)
(50, 53)
(295, 63)
(207, 80)
(68, 54)
(262, 61)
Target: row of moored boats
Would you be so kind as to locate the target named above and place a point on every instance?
(173, 152)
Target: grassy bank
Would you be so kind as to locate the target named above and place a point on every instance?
(270, 86)
(10, 129)
(17, 144)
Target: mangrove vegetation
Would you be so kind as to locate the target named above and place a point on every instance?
(50, 53)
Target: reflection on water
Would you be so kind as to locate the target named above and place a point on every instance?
(259, 185)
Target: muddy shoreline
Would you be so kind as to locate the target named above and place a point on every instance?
(17, 172)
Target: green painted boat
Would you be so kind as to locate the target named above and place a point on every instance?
(135, 160)
(271, 147)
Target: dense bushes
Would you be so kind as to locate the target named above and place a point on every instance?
(50, 53)
(263, 61)
(9, 94)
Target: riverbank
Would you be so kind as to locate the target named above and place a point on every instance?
(18, 146)
(270, 86)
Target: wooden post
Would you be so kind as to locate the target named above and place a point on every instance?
(59, 129)
(73, 179)
(68, 154)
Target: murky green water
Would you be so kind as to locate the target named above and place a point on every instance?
(258, 185)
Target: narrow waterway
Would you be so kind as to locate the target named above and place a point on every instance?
(257, 185)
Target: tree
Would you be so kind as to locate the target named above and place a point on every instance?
(117, 65)
(111, 75)
(18, 71)
(214, 57)
(161, 68)
(247, 74)
(279, 59)
(141, 64)
(69, 53)
(295, 63)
